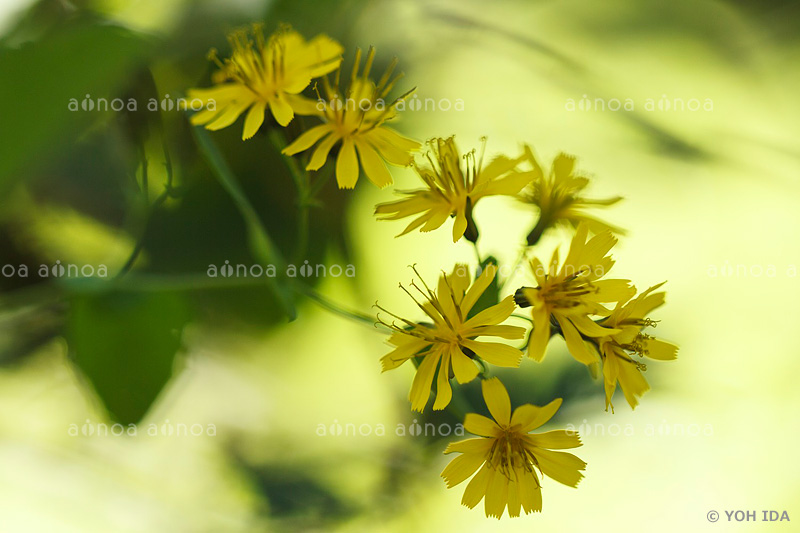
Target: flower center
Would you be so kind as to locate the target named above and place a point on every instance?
(509, 454)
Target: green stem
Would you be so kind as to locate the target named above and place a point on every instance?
(137, 249)
(477, 253)
(333, 307)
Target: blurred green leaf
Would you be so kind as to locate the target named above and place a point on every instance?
(260, 243)
(125, 343)
(38, 81)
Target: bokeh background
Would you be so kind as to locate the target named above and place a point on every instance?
(712, 204)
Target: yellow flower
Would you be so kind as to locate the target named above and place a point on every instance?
(452, 190)
(261, 74)
(448, 343)
(566, 298)
(357, 120)
(559, 199)
(508, 455)
(617, 350)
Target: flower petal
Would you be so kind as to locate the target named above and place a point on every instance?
(254, 119)
(373, 165)
(559, 439)
(476, 489)
(347, 166)
(477, 445)
(492, 315)
(307, 139)
(464, 368)
(560, 466)
(423, 379)
(496, 495)
(229, 114)
(443, 391)
(530, 491)
(495, 353)
(575, 343)
(480, 425)
(281, 109)
(478, 287)
(496, 397)
(462, 467)
(529, 417)
(320, 154)
(541, 334)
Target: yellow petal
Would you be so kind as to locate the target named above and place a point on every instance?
(459, 225)
(229, 114)
(591, 328)
(541, 334)
(559, 439)
(304, 106)
(476, 489)
(575, 344)
(495, 353)
(281, 110)
(560, 466)
(478, 445)
(496, 397)
(399, 355)
(492, 315)
(326, 55)
(347, 166)
(392, 138)
(506, 332)
(373, 165)
(496, 495)
(254, 119)
(632, 383)
(478, 288)
(307, 139)
(661, 350)
(320, 154)
(514, 498)
(529, 417)
(220, 95)
(464, 368)
(480, 425)
(204, 116)
(443, 391)
(529, 490)
(461, 468)
(423, 379)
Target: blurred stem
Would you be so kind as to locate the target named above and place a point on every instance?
(517, 263)
(143, 157)
(151, 208)
(302, 182)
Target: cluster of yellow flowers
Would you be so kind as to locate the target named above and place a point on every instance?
(602, 320)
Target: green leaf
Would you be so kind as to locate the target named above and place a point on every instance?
(261, 245)
(491, 296)
(125, 343)
(40, 80)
